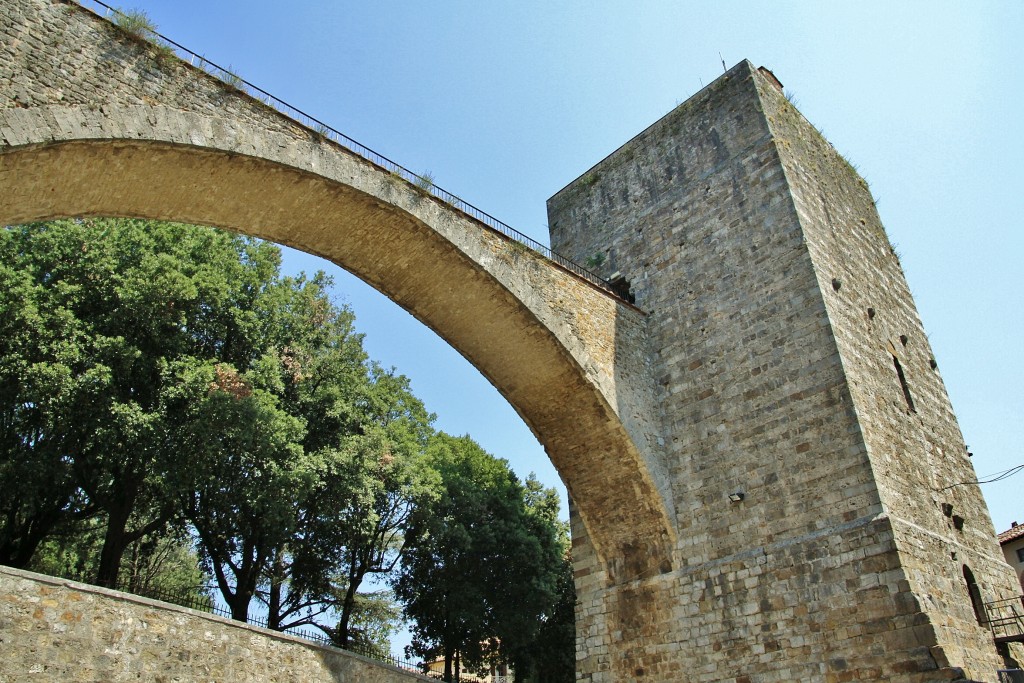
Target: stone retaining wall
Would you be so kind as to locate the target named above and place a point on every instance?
(57, 630)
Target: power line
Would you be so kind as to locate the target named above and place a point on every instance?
(998, 476)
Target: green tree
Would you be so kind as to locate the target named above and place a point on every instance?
(537, 631)
(368, 481)
(551, 656)
(244, 478)
(391, 480)
(363, 440)
(324, 370)
(321, 449)
(483, 561)
(38, 493)
(374, 619)
(163, 565)
(166, 563)
(152, 373)
(124, 299)
(71, 552)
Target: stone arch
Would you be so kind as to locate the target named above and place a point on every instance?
(532, 344)
(568, 357)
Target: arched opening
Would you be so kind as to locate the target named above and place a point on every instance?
(516, 318)
(182, 146)
(107, 258)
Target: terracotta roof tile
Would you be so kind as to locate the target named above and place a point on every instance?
(1011, 534)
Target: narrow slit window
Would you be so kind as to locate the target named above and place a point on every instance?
(903, 383)
(974, 591)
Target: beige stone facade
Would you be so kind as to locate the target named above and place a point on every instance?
(790, 367)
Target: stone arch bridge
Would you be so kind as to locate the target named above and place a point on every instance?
(757, 498)
(136, 133)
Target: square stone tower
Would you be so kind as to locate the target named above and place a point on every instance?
(825, 532)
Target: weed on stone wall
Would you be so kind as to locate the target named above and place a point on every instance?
(424, 182)
(164, 53)
(135, 23)
(139, 26)
(231, 78)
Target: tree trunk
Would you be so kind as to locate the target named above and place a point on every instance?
(239, 604)
(448, 656)
(118, 538)
(274, 600)
(134, 559)
(18, 548)
(348, 606)
(115, 541)
(247, 578)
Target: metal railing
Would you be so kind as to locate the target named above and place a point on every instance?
(1005, 619)
(317, 126)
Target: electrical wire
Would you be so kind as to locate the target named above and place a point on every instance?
(998, 476)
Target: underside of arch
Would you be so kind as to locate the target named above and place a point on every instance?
(96, 122)
(451, 274)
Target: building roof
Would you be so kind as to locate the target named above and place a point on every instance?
(1012, 534)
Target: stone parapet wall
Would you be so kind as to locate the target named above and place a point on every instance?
(56, 630)
(80, 60)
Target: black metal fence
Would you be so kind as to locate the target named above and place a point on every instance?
(317, 126)
(1005, 619)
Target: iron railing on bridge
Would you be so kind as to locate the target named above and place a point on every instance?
(423, 182)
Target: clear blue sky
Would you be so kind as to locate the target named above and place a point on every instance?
(505, 103)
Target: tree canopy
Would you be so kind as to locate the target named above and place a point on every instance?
(484, 562)
(174, 408)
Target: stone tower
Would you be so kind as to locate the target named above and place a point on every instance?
(814, 462)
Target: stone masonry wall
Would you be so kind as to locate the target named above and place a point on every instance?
(54, 630)
(76, 63)
(804, 578)
(915, 445)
